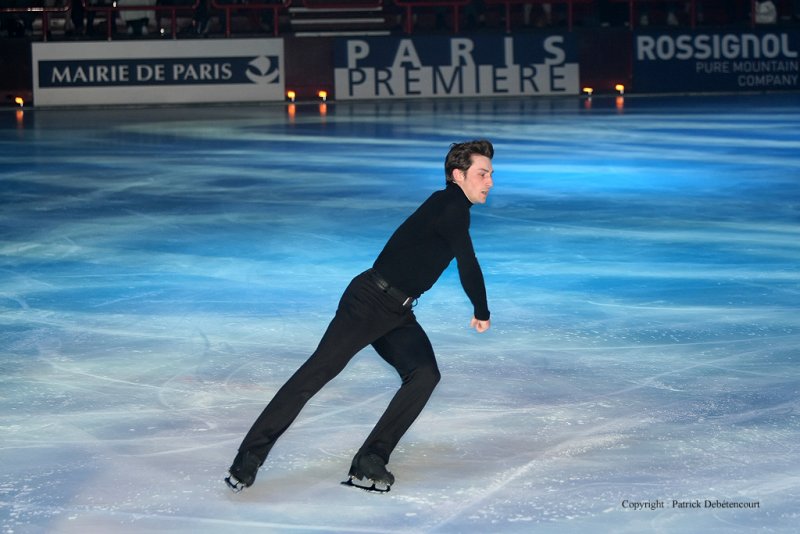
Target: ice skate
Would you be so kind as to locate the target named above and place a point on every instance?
(243, 471)
(371, 467)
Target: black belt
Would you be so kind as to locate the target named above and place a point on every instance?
(393, 292)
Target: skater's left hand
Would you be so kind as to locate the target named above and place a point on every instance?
(480, 326)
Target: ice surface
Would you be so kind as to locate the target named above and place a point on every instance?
(163, 271)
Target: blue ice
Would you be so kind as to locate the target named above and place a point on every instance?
(164, 270)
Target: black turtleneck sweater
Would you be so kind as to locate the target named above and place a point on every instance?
(425, 244)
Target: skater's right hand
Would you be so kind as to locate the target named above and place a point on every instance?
(480, 326)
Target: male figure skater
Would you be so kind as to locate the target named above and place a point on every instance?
(375, 309)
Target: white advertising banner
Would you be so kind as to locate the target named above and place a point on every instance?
(157, 72)
(439, 66)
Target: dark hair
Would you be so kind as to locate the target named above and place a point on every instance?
(460, 156)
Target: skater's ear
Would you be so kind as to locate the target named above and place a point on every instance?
(459, 175)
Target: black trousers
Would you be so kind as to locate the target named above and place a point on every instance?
(366, 316)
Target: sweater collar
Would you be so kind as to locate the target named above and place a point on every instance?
(455, 191)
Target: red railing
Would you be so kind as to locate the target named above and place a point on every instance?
(509, 3)
(45, 12)
(739, 7)
(342, 4)
(111, 10)
(275, 7)
(633, 4)
(409, 5)
(736, 9)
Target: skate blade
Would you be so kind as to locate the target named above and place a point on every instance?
(234, 484)
(374, 488)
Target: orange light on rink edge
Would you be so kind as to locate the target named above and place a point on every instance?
(588, 91)
(19, 101)
(291, 95)
(323, 95)
(620, 88)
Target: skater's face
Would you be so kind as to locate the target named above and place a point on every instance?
(477, 181)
